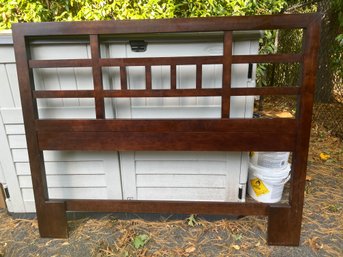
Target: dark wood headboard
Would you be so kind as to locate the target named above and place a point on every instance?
(222, 134)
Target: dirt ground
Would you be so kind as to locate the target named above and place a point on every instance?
(322, 231)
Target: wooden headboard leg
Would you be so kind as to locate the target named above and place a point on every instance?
(284, 226)
(52, 220)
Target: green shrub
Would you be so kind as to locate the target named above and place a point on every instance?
(68, 10)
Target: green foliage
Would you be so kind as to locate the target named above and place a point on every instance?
(68, 10)
(237, 237)
(76, 10)
(192, 220)
(140, 241)
(20, 11)
(267, 46)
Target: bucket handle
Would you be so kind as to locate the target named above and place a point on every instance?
(284, 181)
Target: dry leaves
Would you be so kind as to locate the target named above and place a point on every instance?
(236, 247)
(324, 156)
(190, 249)
(284, 115)
(314, 243)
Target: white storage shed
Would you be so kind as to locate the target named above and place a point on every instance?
(210, 176)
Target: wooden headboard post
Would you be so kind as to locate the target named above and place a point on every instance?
(222, 134)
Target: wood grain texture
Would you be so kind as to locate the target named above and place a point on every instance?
(170, 135)
(184, 207)
(227, 67)
(166, 141)
(52, 220)
(167, 25)
(97, 77)
(277, 125)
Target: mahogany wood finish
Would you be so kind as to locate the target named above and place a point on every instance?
(167, 207)
(222, 134)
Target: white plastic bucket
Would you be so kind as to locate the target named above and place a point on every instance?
(271, 160)
(266, 185)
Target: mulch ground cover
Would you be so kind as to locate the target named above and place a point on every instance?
(322, 231)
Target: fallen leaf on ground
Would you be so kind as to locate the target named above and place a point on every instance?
(324, 156)
(314, 243)
(284, 115)
(190, 249)
(236, 247)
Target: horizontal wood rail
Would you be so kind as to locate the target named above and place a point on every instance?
(285, 126)
(185, 207)
(167, 92)
(194, 60)
(222, 134)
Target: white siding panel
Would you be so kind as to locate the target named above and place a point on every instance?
(17, 141)
(175, 112)
(7, 54)
(12, 116)
(173, 180)
(186, 79)
(244, 168)
(113, 176)
(68, 193)
(51, 156)
(181, 167)
(6, 97)
(2, 177)
(162, 78)
(67, 81)
(60, 51)
(9, 172)
(83, 78)
(47, 79)
(128, 174)
(67, 112)
(111, 79)
(15, 129)
(78, 193)
(65, 168)
(63, 181)
(13, 80)
(180, 155)
(20, 155)
(181, 194)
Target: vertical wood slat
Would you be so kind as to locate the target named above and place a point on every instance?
(123, 78)
(226, 83)
(48, 225)
(285, 227)
(198, 76)
(305, 102)
(148, 77)
(30, 114)
(97, 77)
(173, 76)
